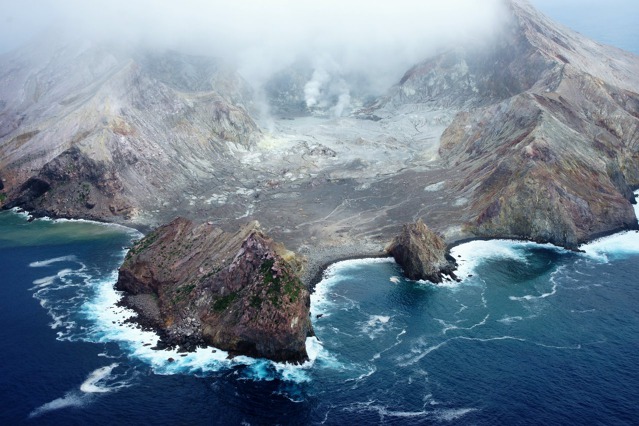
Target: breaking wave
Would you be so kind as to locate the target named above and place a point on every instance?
(385, 345)
(471, 255)
(614, 246)
(83, 307)
(99, 381)
(43, 263)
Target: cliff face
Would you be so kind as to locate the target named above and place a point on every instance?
(532, 133)
(421, 253)
(538, 167)
(238, 292)
(72, 185)
(545, 143)
(103, 132)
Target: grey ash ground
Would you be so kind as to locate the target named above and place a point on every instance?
(531, 134)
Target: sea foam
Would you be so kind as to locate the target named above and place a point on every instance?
(472, 254)
(43, 263)
(83, 307)
(111, 326)
(375, 325)
(321, 299)
(614, 246)
(99, 381)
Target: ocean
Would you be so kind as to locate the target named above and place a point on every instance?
(533, 334)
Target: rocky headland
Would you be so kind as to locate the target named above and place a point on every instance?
(532, 134)
(240, 292)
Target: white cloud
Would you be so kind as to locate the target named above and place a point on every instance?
(338, 38)
(267, 32)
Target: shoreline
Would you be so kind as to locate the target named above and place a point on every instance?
(320, 258)
(316, 272)
(319, 266)
(33, 215)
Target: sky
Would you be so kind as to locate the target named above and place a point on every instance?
(362, 20)
(614, 22)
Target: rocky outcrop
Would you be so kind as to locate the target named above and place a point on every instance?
(114, 131)
(421, 253)
(238, 292)
(545, 142)
(74, 185)
(531, 134)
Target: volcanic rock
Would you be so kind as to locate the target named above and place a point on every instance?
(238, 292)
(530, 133)
(545, 140)
(112, 127)
(556, 161)
(421, 253)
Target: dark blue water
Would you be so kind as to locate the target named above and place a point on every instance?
(536, 335)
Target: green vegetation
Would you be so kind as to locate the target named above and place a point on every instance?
(292, 288)
(256, 301)
(142, 245)
(279, 285)
(85, 190)
(186, 289)
(69, 168)
(3, 197)
(222, 303)
(267, 269)
(182, 292)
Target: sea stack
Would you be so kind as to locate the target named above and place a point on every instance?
(421, 253)
(198, 285)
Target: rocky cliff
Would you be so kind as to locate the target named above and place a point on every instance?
(545, 141)
(239, 292)
(531, 133)
(422, 253)
(106, 132)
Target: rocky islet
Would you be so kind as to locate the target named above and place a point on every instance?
(530, 135)
(198, 285)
